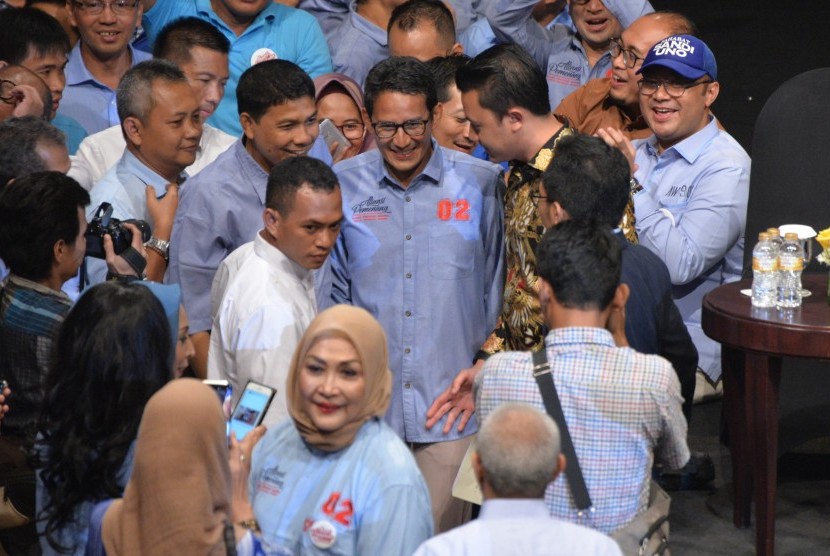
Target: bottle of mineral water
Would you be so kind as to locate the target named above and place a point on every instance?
(790, 264)
(775, 239)
(764, 272)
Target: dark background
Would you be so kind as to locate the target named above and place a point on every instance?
(758, 46)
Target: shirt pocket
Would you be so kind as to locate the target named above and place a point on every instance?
(451, 254)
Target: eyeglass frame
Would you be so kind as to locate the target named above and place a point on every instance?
(665, 84)
(9, 99)
(626, 52)
(358, 136)
(83, 5)
(401, 126)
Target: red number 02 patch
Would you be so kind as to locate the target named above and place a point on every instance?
(461, 208)
(341, 512)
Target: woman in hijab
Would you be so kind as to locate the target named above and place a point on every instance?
(113, 351)
(178, 500)
(340, 99)
(336, 476)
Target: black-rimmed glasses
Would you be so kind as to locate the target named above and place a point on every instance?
(413, 128)
(629, 58)
(351, 130)
(96, 7)
(675, 90)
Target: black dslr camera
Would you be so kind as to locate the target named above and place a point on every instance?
(103, 223)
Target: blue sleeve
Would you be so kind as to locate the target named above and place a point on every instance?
(313, 54)
(95, 544)
(511, 22)
(626, 11)
(404, 509)
(341, 284)
(710, 224)
(494, 251)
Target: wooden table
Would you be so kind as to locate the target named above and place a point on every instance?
(754, 341)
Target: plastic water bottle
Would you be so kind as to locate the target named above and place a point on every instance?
(764, 272)
(790, 265)
(775, 239)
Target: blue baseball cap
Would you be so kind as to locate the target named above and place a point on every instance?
(683, 54)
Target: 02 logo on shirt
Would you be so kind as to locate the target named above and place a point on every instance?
(340, 510)
(461, 208)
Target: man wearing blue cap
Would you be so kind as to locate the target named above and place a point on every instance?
(692, 181)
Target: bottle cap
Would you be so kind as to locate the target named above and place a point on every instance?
(791, 236)
(763, 236)
(773, 232)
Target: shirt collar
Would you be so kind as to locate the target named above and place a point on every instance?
(77, 72)
(513, 508)
(277, 259)
(691, 147)
(576, 335)
(205, 10)
(433, 171)
(131, 165)
(251, 170)
(366, 27)
(543, 156)
(39, 288)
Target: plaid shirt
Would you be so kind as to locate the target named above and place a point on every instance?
(623, 408)
(29, 317)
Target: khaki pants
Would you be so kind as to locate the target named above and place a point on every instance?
(439, 463)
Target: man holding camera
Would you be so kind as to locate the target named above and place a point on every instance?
(162, 125)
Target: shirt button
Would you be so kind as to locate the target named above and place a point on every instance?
(409, 275)
(407, 350)
(408, 313)
(408, 237)
(408, 199)
(407, 385)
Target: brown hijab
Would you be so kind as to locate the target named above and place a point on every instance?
(368, 339)
(178, 498)
(339, 83)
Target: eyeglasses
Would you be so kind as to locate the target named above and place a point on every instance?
(675, 90)
(6, 94)
(413, 128)
(629, 58)
(538, 196)
(352, 130)
(96, 7)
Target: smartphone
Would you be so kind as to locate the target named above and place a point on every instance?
(335, 140)
(224, 390)
(251, 408)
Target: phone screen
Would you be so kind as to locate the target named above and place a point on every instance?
(224, 391)
(251, 408)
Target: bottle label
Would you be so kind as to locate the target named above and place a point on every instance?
(764, 265)
(791, 264)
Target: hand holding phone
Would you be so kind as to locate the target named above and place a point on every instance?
(251, 408)
(336, 141)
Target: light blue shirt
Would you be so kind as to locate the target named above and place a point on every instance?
(72, 130)
(369, 497)
(518, 527)
(75, 534)
(557, 50)
(85, 99)
(692, 214)
(123, 186)
(356, 45)
(428, 262)
(277, 32)
(479, 36)
(220, 209)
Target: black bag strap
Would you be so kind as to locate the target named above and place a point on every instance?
(544, 379)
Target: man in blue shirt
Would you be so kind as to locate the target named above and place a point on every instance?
(34, 40)
(258, 30)
(99, 60)
(221, 207)
(691, 206)
(422, 29)
(421, 248)
(569, 58)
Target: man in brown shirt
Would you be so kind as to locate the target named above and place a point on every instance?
(615, 101)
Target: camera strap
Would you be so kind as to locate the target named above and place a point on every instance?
(135, 260)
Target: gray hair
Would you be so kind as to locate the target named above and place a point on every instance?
(519, 450)
(134, 96)
(19, 140)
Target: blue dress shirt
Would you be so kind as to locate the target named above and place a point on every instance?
(692, 214)
(85, 99)
(428, 262)
(356, 45)
(277, 32)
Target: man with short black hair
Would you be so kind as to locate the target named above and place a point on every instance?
(450, 126)
(640, 423)
(258, 30)
(517, 455)
(201, 52)
(161, 124)
(29, 145)
(421, 248)
(220, 207)
(263, 294)
(423, 29)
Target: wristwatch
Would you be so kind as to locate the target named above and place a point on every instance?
(634, 184)
(160, 246)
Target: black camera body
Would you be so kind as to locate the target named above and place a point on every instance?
(102, 224)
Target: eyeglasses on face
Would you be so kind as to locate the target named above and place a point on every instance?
(629, 58)
(351, 130)
(413, 128)
(675, 90)
(96, 7)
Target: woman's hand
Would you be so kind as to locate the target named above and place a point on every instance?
(240, 465)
